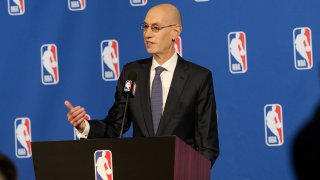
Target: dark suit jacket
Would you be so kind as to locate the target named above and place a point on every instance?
(190, 109)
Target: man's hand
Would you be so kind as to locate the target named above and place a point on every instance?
(76, 116)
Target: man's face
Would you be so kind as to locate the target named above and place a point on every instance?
(158, 43)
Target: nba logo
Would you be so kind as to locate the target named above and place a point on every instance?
(237, 52)
(302, 43)
(16, 7)
(127, 86)
(22, 127)
(77, 5)
(138, 2)
(49, 64)
(273, 123)
(178, 45)
(75, 131)
(110, 60)
(103, 165)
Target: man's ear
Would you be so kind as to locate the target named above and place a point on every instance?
(176, 32)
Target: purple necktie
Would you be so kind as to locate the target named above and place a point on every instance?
(156, 98)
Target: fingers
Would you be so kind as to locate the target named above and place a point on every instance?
(68, 104)
(76, 115)
(79, 125)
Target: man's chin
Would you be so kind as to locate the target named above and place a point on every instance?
(151, 51)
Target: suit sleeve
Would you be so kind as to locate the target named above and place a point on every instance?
(206, 137)
(110, 126)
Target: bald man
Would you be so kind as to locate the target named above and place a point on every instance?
(173, 96)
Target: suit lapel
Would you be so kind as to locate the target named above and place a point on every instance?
(178, 82)
(145, 96)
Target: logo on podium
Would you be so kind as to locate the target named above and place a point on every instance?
(103, 165)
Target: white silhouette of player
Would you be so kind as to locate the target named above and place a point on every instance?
(103, 167)
(23, 135)
(237, 49)
(110, 58)
(273, 122)
(18, 3)
(302, 45)
(49, 62)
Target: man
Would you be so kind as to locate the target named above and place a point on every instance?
(8, 170)
(305, 148)
(177, 101)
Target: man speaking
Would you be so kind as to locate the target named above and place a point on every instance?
(172, 96)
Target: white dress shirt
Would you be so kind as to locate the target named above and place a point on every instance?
(166, 76)
(166, 79)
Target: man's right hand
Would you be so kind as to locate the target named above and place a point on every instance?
(76, 116)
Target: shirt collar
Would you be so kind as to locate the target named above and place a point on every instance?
(168, 65)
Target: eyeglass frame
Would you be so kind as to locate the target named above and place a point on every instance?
(145, 27)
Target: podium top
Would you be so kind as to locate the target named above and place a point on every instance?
(135, 158)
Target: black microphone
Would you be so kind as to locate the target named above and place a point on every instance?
(129, 90)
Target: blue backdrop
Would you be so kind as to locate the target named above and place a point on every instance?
(264, 56)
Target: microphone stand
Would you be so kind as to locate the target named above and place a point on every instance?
(124, 116)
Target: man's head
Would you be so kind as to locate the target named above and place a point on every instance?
(8, 169)
(162, 25)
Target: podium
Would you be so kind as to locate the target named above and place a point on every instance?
(151, 158)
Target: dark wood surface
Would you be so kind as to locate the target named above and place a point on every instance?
(153, 158)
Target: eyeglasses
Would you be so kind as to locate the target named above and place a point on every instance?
(154, 27)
